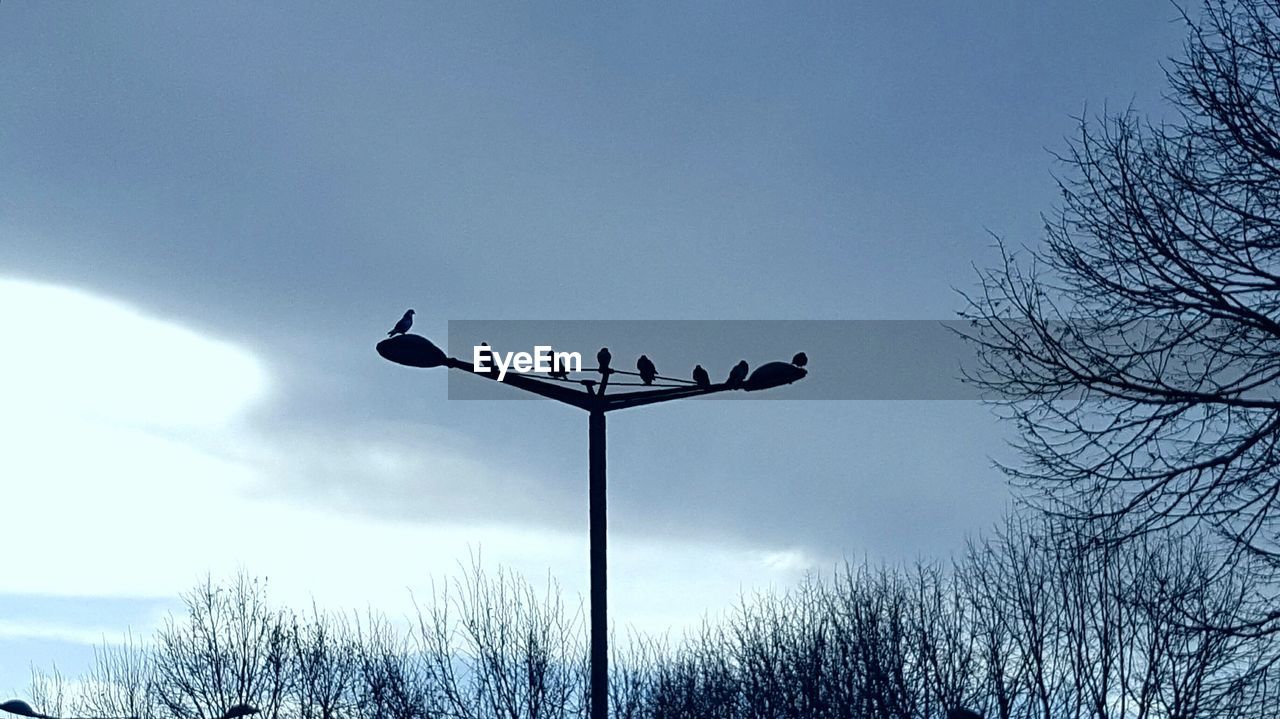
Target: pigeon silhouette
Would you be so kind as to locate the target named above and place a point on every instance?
(603, 357)
(239, 710)
(647, 370)
(493, 367)
(701, 377)
(557, 368)
(403, 325)
(738, 374)
(801, 359)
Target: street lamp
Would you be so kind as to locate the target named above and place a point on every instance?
(417, 351)
(21, 708)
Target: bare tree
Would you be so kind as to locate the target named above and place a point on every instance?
(631, 665)
(324, 665)
(49, 690)
(119, 683)
(393, 680)
(1138, 353)
(1038, 621)
(232, 648)
(946, 640)
(497, 647)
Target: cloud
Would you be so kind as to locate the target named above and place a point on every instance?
(52, 631)
(86, 356)
(409, 472)
(134, 468)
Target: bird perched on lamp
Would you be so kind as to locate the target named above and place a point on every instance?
(603, 357)
(403, 325)
(558, 370)
(647, 371)
(493, 369)
(738, 374)
(801, 359)
(701, 377)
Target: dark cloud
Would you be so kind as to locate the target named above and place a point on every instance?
(294, 177)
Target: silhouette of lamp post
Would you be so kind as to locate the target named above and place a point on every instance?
(21, 708)
(417, 351)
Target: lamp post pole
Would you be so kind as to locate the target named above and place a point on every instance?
(417, 351)
(597, 502)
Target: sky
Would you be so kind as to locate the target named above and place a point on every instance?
(210, 213)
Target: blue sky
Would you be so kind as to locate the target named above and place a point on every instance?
(210, 212)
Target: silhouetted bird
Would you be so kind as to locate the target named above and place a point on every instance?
(403, 325)
(603, 358)
(647, 370)
(493, 367)
(801, 359)
(701, 377)
(557, 368)
(738, 373)
(240, 710)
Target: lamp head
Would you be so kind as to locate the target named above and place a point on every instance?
(412, 351)
(21, 708)
(773, 374)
